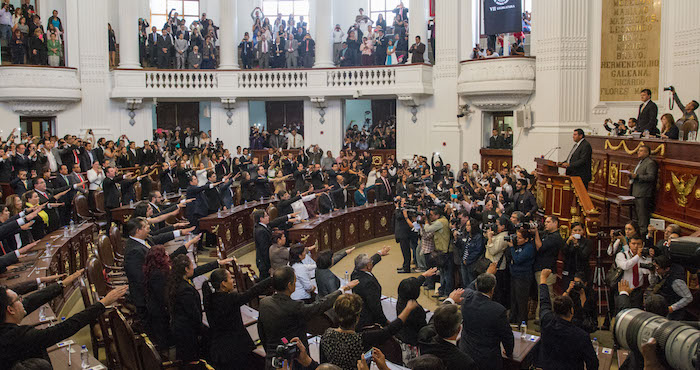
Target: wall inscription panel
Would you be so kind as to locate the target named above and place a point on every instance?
(630, 39)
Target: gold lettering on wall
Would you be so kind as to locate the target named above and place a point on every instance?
(629, 51)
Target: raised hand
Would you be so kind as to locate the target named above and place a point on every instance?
(457, 295)
(72, 277)
(114, 295)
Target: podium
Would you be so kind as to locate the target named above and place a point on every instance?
(547, 166)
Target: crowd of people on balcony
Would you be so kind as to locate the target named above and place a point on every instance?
(381, 135)
(494, 49)
(285, 138)
(27, 39)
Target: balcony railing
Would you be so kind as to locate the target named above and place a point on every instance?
(39, 90)
(353, 81)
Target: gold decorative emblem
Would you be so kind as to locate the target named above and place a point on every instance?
(338, 234)
(377, 160)
(382, 221)
(304, 238)
(697, 194)
(594, 169)
(228, 235)
(540, 197)
(490, 164)
(215, 229)
(240, 229)
(66, 265)
(127, 218)
(683, 188)
(351, 229)
(661, 149)
(612, 177)
(325, 238)
(504, 164)
(367, 225)
(667, 187)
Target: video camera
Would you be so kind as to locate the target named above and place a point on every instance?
(285, 352)
(685, 251)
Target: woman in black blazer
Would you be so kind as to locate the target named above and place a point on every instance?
(231, 344)
(186, 307)
(247, 187)
(409, 289)
(38, 53)
(669, 130)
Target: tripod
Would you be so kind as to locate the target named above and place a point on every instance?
(599, 279)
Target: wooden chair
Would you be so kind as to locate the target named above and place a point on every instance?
(125, 341)
(137, 191)
(100, 335)
(115, 238)
(99, 201)
(272, 211)
(245, 280)
(239, 196)
(688, 126)
(106, 255)
(82, 210)
(318, 324)
(371, 195)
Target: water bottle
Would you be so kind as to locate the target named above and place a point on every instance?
(165, 194)
(347, 277)
(646, 133)
(42, 313)
(218, 213)
(261, 199)
(72, 225)
(131, 203)
(84, 357)
(65, 232)
(595, 345)
(523, 330)
(245, 203)
(680, 135)
(48, 250)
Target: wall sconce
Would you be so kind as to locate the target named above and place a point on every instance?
(229, 104)
(413, 102)
(320, 103)
(132, 105)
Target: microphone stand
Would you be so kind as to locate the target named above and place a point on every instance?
(546, 156)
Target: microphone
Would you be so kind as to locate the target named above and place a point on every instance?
(546, 156)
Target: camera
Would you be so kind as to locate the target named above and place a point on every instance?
(285, 352)
(578, 285)
(618, 232)
(677, 343)
(670, 88)
(685, 251)
(645, 252)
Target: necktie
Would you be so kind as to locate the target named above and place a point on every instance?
(264, 46)
(75, 154)
(572, 152)
(294, 142)
(635, 275)
(307, 45)
(386, 184)
(3, 248)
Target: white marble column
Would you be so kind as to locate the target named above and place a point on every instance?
(418, 24)
(229, 26)
(323, 24)
(128, 34)
(72, 34)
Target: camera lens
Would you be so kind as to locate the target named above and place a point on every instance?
(676, 342)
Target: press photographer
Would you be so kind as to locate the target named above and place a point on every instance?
(547, 250)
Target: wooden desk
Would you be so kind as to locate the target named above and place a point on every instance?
(676, 202)
(59, 358)
(234, 227)
(67, 255)
(523, 354)
(496, 159)
(605, 358)
(346, 227)
(622, 356)
(379, 156)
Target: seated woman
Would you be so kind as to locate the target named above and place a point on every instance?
(669, 130)
(231, 344)
(144, 210)
(360, 196)
(325, 279)
(342, 346)
(185, 307)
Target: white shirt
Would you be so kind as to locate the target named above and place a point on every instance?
(95, 179)
(295, 141)
(201, 177)
(338, 36)
(305, 279)
(299, 206)
(53, 165)
(626, 261)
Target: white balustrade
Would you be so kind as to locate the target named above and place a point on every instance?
(272, 79)
(181, 80)
(360, 77)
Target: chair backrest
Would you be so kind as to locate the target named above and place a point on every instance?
(392, 351)
(688, 126)
(239, 195)
(82, 209)
(318, 324)
(96, 276)
(115, 237)
(148, 354)
(137, 191)
(272, 211)
(104, 247)
(371, 195)
(99, 201)
(125, 341)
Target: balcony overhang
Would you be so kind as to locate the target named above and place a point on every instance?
(39, 90)
(498, 83)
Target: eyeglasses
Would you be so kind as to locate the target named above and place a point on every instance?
(19, 298)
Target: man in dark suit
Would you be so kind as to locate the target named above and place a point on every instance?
(496, 140)
(578, 163)
(246, 47)
(21, 184)
(307, 51)
(646, 118)
(488, 327)
(563, 344)
(326, 204)
(439, 338)
(380, 44)
(369, 289)
(262, 184)
(77, 178)
(318, 178)
(417, 50)
(282, 317)
(263, 238)
(383, 189)
(642, 186)
(87, 157)
(111, 190)
(21, 161)
(138, 243)
(200, 206)
(153, 46)
(165, 46)
(264, 50)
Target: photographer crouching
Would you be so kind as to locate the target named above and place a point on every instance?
(547, 251)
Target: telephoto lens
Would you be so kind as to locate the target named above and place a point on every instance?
(677, 343)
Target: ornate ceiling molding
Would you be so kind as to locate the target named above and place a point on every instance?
(38, 107)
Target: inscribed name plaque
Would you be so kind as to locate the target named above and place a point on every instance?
(629, 52)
